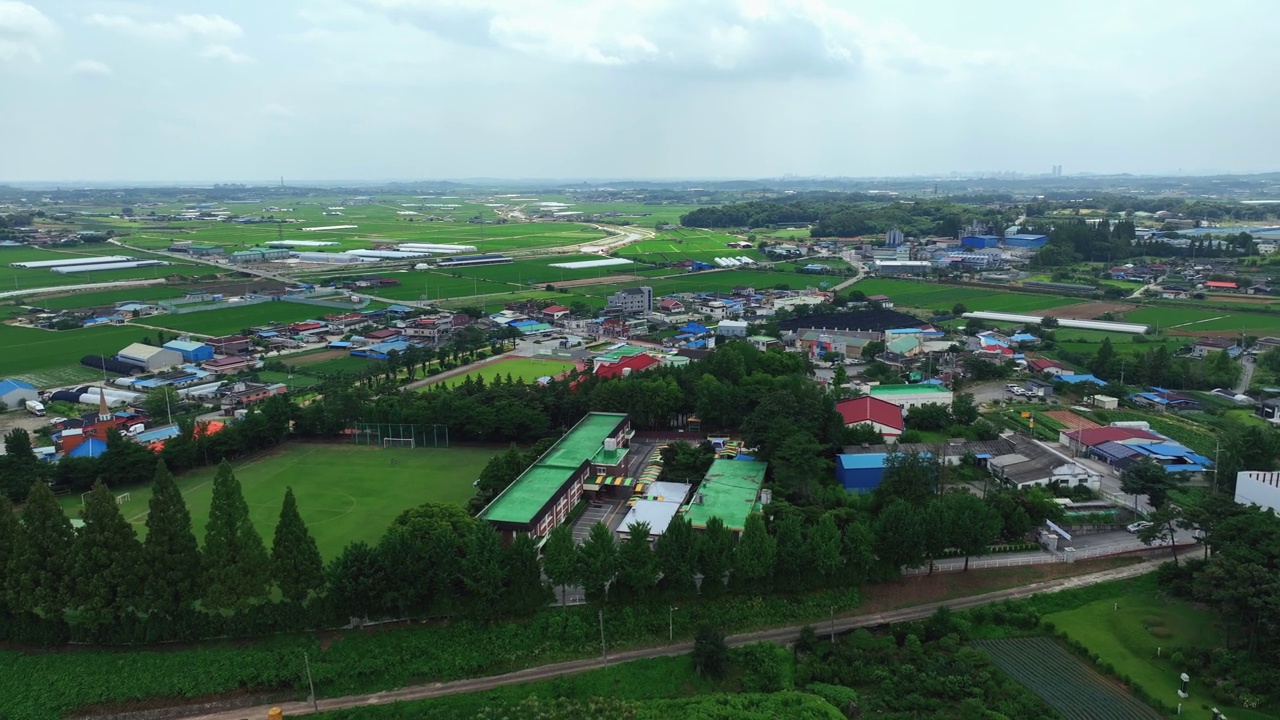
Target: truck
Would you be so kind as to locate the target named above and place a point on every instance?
(35, 408)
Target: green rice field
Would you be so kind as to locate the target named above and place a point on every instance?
(935, 296)
(46, 358)
(23, 279)
(108, 298)
(526, 369)
(346, 493)
(1201, 320)
(226, 321)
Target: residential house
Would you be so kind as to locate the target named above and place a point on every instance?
(229, 365)
(246, 394)
(1048, 367)
(882, 300)
(1163, 400)
(670, 306)
(554, 312)
(732, 328)
(1207, 345)
(229, 344)
(764, 342)
(1021, 471)
(1221, 286)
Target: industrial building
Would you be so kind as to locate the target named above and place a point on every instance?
(979, 241)
(191, 351)
(1134, 328)
(38, 264)
(258, 255)
(149, 357)
(909, 396)
(16, 393)
(1025, 240)
(126, 265)
(1258, 488)
(474, 260)
(542, 496)
(328, 258)
(730, 491)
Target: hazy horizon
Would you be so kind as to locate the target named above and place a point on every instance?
(106, 92)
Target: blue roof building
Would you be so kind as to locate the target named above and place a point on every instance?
(13, 393)
(1075, 379)
(191, 351)
(860, 473)
(979, 241)
(1026, 240)
(91, 448)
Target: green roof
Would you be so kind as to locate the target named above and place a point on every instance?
(621, 353)
(903, 344)
(728, 492)
(907, 389)
(763, 338)
(522, 500)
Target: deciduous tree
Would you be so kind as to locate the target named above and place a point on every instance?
(753, 558)
(637, 566)
(677, 557)
(598, 562)
(715, 553)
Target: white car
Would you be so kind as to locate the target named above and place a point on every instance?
(1138, 526)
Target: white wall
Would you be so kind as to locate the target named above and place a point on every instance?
(1258, 488)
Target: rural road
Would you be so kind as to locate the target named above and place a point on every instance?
(780, 635)
(1246, 373)
(90, 286)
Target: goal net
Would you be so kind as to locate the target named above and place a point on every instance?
(398, 442)
(122, 498)
(408, 435)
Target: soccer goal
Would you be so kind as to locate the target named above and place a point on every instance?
(399, 442)
(122, 498)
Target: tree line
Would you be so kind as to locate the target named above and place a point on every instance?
(847, 215)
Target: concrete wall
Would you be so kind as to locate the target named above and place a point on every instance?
(1258, 488)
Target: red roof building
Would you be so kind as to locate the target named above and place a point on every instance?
(1092, 437)
(670, 305)
(1221, 285)
(1045, 365)
(384, 334)
(555, 312)
(879, 414)
(627, 366)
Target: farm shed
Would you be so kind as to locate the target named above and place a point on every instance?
(860, 473)
(148, 357)
(14, 393)
(190, 351)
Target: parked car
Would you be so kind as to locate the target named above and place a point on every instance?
(1138, 526)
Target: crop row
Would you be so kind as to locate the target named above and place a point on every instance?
(1062, 681)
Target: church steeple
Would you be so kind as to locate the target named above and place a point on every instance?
(104, 415)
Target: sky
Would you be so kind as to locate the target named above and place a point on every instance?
(326, 90)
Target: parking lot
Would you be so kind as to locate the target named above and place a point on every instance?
(610, 513)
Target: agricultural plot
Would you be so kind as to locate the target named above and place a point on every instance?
(1062, 681)
(438, 286)
(47, 357)
(229, 320)
(1197, 320)
(345, 493)
(1127, 631)
(935, 296)
(526, 369)
(538, 271)
(109, 298)
(636, 213)
(348, 364)
(25, 279)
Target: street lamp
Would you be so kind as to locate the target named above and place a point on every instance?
(671, 624)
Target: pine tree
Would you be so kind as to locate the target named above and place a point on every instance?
(295, 560)
(715, 553)
(106, 576)
(237, 569)
(637, 567)
(9, 536)
(170, 554)
(598, 562)
(42, 562)
(677, 557)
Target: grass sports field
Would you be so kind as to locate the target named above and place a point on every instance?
(345, 493)
(46, 358)
(527, 369)
(936, 296)
(1126, 631)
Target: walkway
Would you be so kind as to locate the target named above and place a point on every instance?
(780, 635)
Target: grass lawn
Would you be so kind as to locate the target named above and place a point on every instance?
(342, 364)
(527, 369)
(1126, 632)
(345, 493)
(45, 357)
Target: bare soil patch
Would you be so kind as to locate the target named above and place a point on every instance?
(607, 280)
(1071, 420)
(1088, 311)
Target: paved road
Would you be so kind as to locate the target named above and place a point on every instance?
(781, 635)
(1247, 365)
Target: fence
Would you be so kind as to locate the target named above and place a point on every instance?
(400, 435)
(1046, 558)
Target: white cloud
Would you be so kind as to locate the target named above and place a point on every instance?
(22, 28)
(747, 38)
(90, 68)
(222, 52)
(181, 27)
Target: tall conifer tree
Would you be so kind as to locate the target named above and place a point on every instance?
(42, 563)
(170, 554)
(295, 561)
(106, 575)
(237, 570)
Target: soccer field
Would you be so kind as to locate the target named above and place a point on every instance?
(527, 369)
(345, 493)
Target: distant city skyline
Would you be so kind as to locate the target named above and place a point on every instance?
(319, 90)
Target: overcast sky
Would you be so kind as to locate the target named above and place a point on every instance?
(430, 89)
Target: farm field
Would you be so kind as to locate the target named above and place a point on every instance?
(934, 296)
(43, 357)
(538, 271)
(1201, 320)
(1062, 681)
(346, 493)
(1128, 637)
(107, 298)
(526, 369)
(23, 279)
(636, 213)
(229, 320)
(419, 285)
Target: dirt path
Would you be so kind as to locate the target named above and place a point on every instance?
(782, 635)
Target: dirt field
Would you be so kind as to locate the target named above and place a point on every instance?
(1087, 311)
(607, 280)
(1071, 420)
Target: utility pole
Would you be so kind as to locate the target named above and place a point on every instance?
(671, 624)
(604, 655)
(833, 624)
(315, 707)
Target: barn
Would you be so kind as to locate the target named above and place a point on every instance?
(14, 393)
(149, 357)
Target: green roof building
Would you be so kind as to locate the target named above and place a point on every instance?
(543, 495)
(729, 491)
(909, 396)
